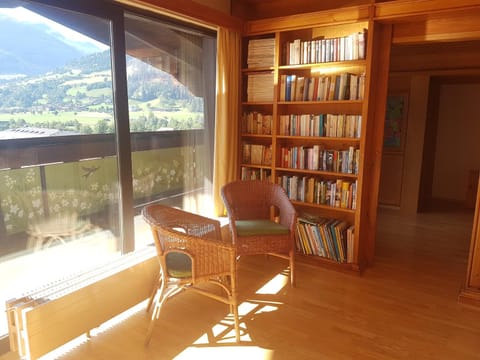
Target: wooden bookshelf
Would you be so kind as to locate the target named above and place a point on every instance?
(329, 63)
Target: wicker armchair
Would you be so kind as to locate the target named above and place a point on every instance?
(262, 219)
(190, 251)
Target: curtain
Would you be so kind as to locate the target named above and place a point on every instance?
(226, 122)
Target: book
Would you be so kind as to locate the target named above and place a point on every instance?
(246, 153)
(299, 89)
(256, 154)
(267, 155)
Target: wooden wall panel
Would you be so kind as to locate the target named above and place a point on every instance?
(457, 26)
(417, 117)
(262, 9)
(379, 42)
(421, 8)
(390, 191)
(337, 16)
(435, 56)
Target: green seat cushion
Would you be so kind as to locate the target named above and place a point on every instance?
(259, 228)
(179, 265)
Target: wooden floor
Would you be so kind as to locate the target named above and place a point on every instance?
(403, 307)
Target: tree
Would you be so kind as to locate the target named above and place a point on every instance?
(102, 127)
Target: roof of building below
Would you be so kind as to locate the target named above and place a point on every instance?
(30, 132)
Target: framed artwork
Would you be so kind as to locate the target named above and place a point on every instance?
(395, 122)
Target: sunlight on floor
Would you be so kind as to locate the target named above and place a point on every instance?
(274, 285)
(201, 349)
(218, 343)
(230, 353)
(83, 339)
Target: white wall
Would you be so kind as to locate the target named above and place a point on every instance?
(458, 140)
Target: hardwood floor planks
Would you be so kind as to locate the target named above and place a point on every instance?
(403, 307)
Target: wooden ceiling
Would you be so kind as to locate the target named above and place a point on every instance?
(261, 9)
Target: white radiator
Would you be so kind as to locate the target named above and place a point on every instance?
(44, 319)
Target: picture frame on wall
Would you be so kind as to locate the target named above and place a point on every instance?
(395, 122)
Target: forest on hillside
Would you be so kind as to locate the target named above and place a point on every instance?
(78, 97)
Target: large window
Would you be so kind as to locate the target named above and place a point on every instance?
(101, 112)
(170, 69)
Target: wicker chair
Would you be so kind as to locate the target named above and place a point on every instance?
(262, 220)
(191, 252)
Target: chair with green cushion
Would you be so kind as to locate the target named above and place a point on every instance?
(190, 251)
(262, 219)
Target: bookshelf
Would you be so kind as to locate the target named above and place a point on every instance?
(303, 112)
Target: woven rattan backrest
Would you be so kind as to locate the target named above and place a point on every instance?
(248, 199)
(255, 199)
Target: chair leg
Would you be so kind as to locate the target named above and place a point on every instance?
(164, 293)
(234, 305)
(155, 291)
(237, 323)
(293, 279)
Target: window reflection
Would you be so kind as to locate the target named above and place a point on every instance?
(170, 72)
(59, 178)
(58, 164)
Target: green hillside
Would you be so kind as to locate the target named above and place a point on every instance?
(78, 97)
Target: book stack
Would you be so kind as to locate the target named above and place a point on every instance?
(330, 238)
(261, 53)
(344, 48)
(256, 154)
(316, 158)
(257, 123)
(343, 86)
(248, 173)
(337, 193)
(329, 125)
(260, 87)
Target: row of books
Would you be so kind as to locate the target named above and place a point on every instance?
(255, 122)
(330, 238)
(260, 87)
(344, 48)
(255, 174)
(316, 158)
(329, 125)
(337, 193)
(261, 52)
(343, 86)
(256, 154)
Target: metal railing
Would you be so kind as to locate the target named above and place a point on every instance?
(40, 176)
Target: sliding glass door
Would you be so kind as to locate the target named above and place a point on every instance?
(101, 112)
(170, 72)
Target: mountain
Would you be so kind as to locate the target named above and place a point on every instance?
(34, 49)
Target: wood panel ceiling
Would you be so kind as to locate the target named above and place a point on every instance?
(261, 9)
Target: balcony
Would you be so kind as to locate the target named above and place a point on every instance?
(46, 178)
(64, 191)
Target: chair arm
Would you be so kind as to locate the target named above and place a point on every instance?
(288, 214)
(208, 255)
(178, 240)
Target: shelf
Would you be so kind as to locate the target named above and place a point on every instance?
(323, 81)
(325, 207)
(257, 136)
(333, 64)
(336, 102)
(324, 262)
(258, 69)
(256, 166)
(257, 103)
(318, 173)
(323, 139)
(335, 106)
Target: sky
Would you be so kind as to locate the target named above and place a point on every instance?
(24, 15)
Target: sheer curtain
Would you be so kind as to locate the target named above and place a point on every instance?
(226, 132)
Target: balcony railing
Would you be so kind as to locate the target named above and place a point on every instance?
(43, 177)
